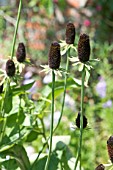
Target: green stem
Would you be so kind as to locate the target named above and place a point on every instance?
(18, 115)
(3, 112)
(8, 82)
(81, 120)
(52, 121)
(64, 94)
(63, 102)
(16, 29)
(43, 127)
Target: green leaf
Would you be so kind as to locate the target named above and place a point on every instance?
(71, 82)
(22, 88)
(40, 164)
(8, 99)
(59, 140)
(32, 136)
(19, 154)
(9, 164)
(59, 88)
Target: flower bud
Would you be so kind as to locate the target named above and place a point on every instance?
(100, 167)
(21, 53)
(78, 121)
(70, 33)
(54, 56)
(1, 88)
(83, 48)
(110, 148)
(10, 68)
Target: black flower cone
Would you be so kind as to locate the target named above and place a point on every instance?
(78, 121)
(54, 57)
(100, 167)
(10, 68)
(70, 33)
(1, 88)
(21, 53)
(110, 148)
(84, 48)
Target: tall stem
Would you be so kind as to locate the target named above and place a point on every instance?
(8, 83)
(64, 94)
(52, 121)
(3, 113)
(16, 29)
(81, 120)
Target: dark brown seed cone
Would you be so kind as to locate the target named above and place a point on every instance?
(83, 48)
(21, 53)
(70, 33)
(78, 121)
(10, 68)
(54, 56)
(110, 148)
(1, 88)
(100, 167)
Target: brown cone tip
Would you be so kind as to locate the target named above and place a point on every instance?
(54, 56)
(84, 48)
(100, 167)
(78, 121)
(21, 53)
(70, 33)
(1, 88)
(110, 148)
(10, 68)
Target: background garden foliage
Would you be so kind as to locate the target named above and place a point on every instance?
(25, 96)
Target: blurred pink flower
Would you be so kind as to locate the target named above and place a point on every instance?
(98, 7)
(55, 1)
(87, 22)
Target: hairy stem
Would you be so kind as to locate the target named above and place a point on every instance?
(52, 121)
(16, 29)
(81, 120)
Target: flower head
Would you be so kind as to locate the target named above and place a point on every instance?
(100, 167)
(110, 148)
(21, 53)
(10, 68)
(78, 121)
(54, 57)
(83, 48)
(70, 33)
(87, 23)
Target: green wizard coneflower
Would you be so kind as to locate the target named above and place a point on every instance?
(1, 88)
(70, 33)
(83, 48)
(54, 56)
(100, 167)
(10, 68)
(110, 148)
(78, 121)
(21, 53)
